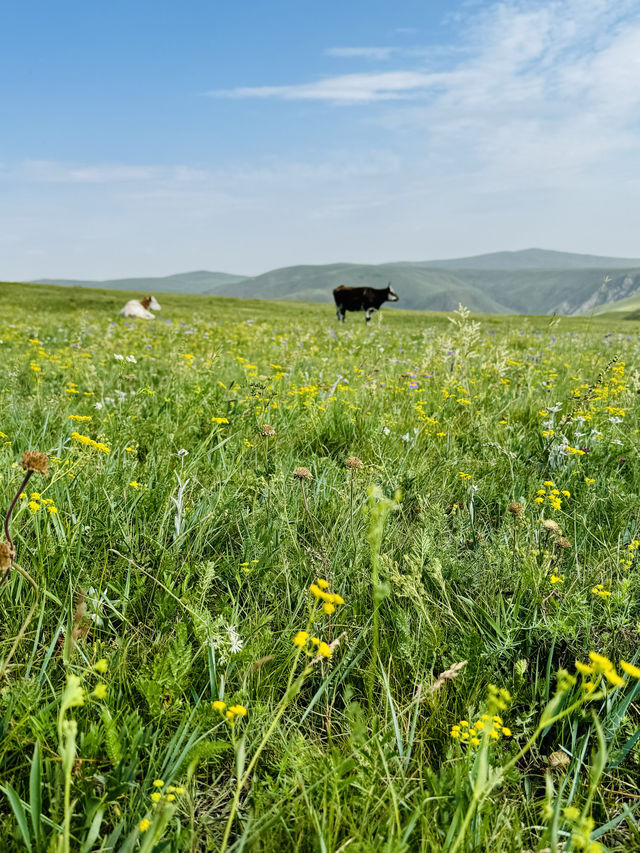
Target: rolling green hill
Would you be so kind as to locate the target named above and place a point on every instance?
(498, 291)
(200, 281)
(531, 281)
(435, 290)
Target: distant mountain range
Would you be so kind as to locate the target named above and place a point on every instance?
(531, 281)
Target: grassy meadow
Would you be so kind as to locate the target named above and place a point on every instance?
(295, 586)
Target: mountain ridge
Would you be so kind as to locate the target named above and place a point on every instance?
(533, 259)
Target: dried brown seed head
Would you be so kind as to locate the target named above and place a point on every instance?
(558, 760)
(562, 542)
(267, 429)
(353, 462)
(33, 460)
(551, 526)
(6, 556)
(516, 509)
(302, 473)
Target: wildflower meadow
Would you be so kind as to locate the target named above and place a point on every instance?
(273, 583)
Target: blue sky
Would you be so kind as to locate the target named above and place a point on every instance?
(150, 138)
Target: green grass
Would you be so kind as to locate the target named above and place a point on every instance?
(192, 534)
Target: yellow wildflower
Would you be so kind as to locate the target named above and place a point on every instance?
(600, 662)
(613, 678)
(630, 669)
(300, 639)
(324, 650)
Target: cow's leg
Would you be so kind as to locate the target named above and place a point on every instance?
(341, 312)
(369, 314)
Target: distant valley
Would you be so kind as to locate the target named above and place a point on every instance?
(531, 281)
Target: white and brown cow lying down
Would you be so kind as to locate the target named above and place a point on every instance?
(140, 308)
(367, 299)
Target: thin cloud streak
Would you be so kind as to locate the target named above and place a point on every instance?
(376, 53)
(344, 88)
(55, 172)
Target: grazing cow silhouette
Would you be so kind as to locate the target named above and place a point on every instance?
(140, 308)
(367, 299)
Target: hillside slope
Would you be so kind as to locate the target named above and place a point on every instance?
(531, 281)
(540, 291)
(200, 281)
(419, 288)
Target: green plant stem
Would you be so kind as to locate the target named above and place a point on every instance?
(242, 781)
(353, 535)
(375, 622)
(323, 556)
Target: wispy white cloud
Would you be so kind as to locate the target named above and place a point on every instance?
(56, 172)
(377, 53)
(334, 166)
(540, 90)
(344, 88)
(544, 63)
(546, 91)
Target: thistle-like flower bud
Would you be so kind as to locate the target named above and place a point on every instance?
(353, 462)
(302, 473)
(267, 429)
(38, 463)
(516, 509)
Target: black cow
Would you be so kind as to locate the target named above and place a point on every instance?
(367, 299)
